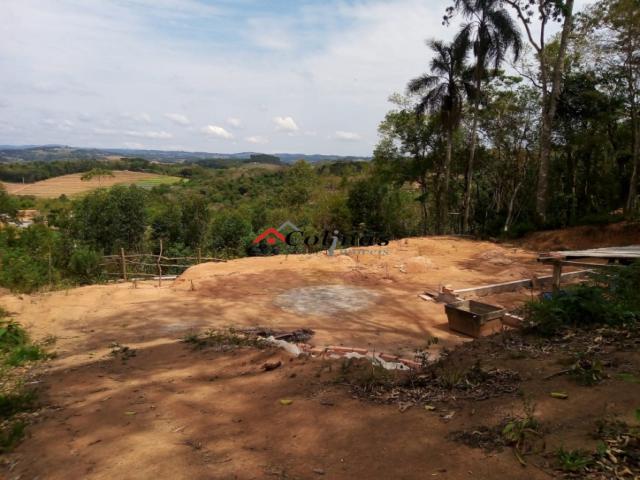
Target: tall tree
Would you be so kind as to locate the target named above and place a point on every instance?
(409, 142)
(488, 32)
(442, 91)
(551, 67)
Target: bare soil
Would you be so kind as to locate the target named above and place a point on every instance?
(162, 409)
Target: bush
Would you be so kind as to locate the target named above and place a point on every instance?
(84, 265)
(22, 272)
(611, 298)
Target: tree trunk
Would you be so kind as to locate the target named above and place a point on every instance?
(444, 191)
(632, 198)
(512, 201)
(550, 102)
(469, 176)
(423, 205)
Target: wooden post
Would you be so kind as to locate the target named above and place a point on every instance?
(199, 255)
(160, 266)
(124, 264)
(50, 269)
(557, 276)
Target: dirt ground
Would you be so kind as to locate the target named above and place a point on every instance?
(171, 412)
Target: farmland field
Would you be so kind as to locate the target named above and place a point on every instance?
(73, 184)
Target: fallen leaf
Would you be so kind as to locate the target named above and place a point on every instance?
(559, 395)
(429, 408)
(285, 401)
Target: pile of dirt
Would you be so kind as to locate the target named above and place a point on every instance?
(419, 264)
(583, 237)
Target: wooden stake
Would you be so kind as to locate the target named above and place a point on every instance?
(124, 264)
(557, 276)
(199, 255)
(50, 269)
(160, 266)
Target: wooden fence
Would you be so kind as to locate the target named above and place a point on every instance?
(147, 265)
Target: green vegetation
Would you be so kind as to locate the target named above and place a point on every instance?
(16, 350)
(573, 461)
(467, 149)
(611, 298)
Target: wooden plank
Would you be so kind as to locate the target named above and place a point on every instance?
(628, 252)
(517, 284)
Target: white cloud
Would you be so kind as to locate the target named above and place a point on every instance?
(161, 135)
(178, 118)
(257, 139)
(216, 131)
(320, 62)
(270, 34)
(137, 117)
(104, 131)
(348, 136)
(234, 122)
(285, 124)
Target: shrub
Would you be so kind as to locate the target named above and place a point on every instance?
(611, 298)
(84, 265)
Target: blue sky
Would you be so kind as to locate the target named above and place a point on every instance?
(217, 75)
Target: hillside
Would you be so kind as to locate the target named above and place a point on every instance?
(49, 153)
(73, 184)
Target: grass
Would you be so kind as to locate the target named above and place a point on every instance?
(573, 461)
(16, 349)
(224, 339)
(154, 182)
(11, 435)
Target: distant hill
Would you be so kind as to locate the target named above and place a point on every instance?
(49, 153)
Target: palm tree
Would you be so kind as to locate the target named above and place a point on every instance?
(442, 91)
(489, 32)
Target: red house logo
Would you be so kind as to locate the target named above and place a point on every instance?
(271, 235)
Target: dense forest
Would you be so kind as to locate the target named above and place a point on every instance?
(508, 131)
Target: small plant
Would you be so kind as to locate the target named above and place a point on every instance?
(11, 432)
(518, 432)
(122, 351)
(587, 370)
(223, 339)
(573, 461)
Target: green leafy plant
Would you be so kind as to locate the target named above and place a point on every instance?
(573, 461)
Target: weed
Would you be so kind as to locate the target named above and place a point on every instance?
(586, 370)
(573, 461)
(519, 433)
(628, 377)
(122, 351)
(16, 401)
(11, 432)
(610, 299)
(223, 339)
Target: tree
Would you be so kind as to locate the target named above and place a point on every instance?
(232, 234)
(8, 204)
(549, 79)
(615, 24)
(98, 173)
(442, 91)
(509, 125)
(195, 220)
(406, 151)
(489, 32)
(111, 219)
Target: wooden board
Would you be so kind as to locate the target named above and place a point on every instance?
(629, 252)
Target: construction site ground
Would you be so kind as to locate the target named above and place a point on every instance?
(169, 411)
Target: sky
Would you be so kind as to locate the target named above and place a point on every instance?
(303, 76)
